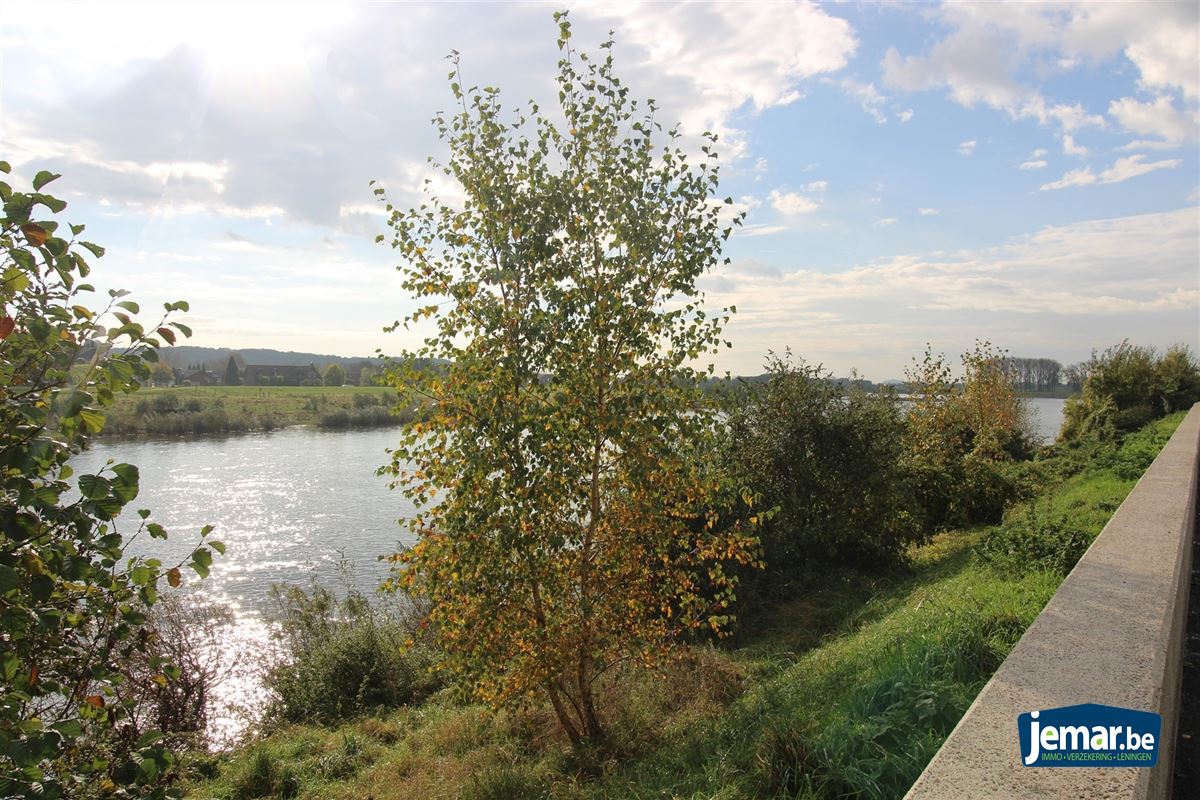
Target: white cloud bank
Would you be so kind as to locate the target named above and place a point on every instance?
(991, 44)
(1058, 292)
(173, 109)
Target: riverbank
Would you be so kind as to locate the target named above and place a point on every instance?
(848, 690)
(185, 411)
(1059, 393)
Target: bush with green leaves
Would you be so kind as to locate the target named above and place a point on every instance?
(829, 460)
(344, 656)
(335, 375)
(1034, 542)
(1129, 385)
(963, 437)
(74, 605)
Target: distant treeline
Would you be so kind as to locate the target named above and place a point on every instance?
(215, 358)
(1030, 374)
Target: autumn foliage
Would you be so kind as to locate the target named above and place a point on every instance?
(565, 519)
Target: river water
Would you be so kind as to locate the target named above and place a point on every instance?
(292, 506)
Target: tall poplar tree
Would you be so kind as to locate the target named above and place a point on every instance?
(565, 517)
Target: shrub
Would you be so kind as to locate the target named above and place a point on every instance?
(74, 604)
(1127, 386)
(961, 439)
(344, 657)
(166, 403)
(265, 777)
(367, 400)
(828, 460)
(1032, 543)
(182, 632)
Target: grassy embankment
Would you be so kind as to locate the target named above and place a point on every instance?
(845, 692)
(236, 409)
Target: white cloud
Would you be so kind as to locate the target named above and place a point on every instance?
(905, 115)
(742, 205)
(1036, 160)
(1149, 144)
(1122, 170)
(759, 230)
(226, 116)
(791, 203)
(1059, 291)
(726, 55)
(1071, 148)
(967, 148)
(929, 212)
(866, 95)
(885, 222)
(990, 44)
(1158, 118)
(1133, 166)
(1076, 177)
(815, 186)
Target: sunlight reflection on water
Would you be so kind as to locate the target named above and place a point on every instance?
(287, 504)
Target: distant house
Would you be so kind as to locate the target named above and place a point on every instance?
(201, 377)
(274, 375)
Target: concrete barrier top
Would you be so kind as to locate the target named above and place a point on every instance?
(1112, 634)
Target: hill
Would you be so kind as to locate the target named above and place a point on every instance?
(215, 358)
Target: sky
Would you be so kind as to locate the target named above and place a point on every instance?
(920, 173)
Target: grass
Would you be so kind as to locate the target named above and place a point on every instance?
(233, 409)
(846, 691)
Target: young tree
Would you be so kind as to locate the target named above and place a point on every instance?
(73, 606)
(335, 375)
(573, 527)
(232, 375)
(960, 434)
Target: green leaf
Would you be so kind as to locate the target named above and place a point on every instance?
(94, 249)
(94, 487)
(156, 531)
(201, 561)
(52, 203)
(140, 575)
(93, 420)
(218, 546)
(126, 484)
(43, 177)
(9, 666)
(130, 306)
(41, 587)
(8, 578)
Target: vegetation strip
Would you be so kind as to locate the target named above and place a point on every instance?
(849, 691)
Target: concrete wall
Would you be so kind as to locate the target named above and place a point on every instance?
(1113, 634)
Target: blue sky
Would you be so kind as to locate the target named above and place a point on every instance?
(912, 173)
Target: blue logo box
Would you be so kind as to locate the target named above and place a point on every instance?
(1089, 735)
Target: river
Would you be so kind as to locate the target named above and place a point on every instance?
(291, 506)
